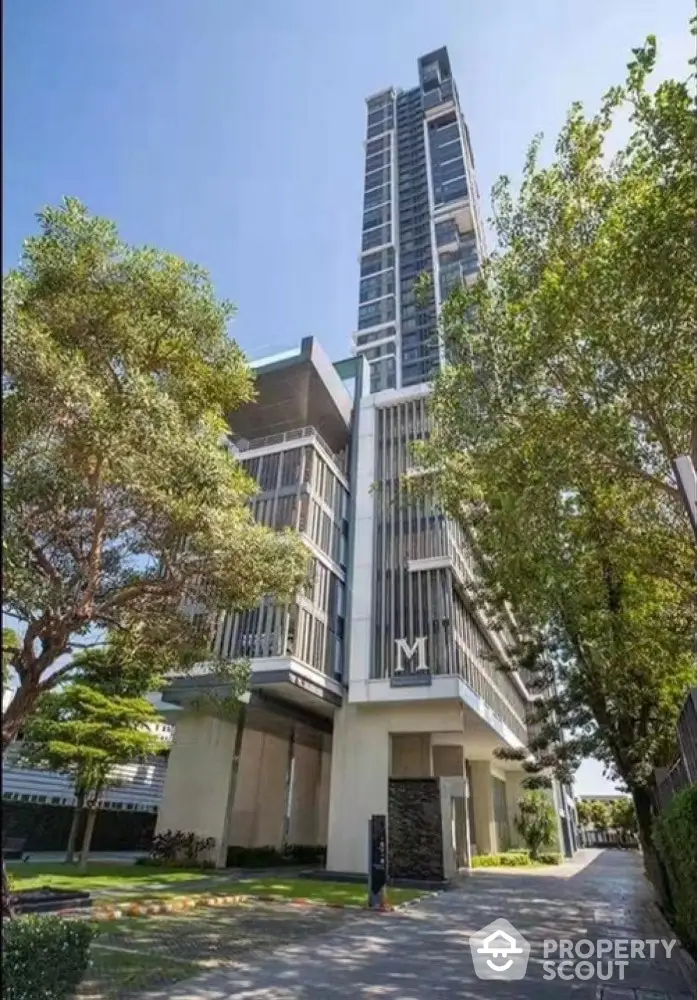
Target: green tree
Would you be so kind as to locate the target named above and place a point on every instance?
(122, 510)
(623, 816)
(600, 815)
(570, 392)
(536, 821)
(584, 813)
(86, 733)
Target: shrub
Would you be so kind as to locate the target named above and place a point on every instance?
(179, 847)
(271, 857)
(536, 821)
(511, 859)
(675, 833)
(550, 858)
(44, 958)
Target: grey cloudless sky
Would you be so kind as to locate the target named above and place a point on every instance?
(231, 133)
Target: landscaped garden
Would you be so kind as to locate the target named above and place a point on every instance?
(130, 882)
(204, 928)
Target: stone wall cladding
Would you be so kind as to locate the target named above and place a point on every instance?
(415, 829)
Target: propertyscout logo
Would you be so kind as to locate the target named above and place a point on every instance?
(499, 951)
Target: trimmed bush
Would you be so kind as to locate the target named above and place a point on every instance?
(511, 859)
(675, 834)
(44, 958)
(550, 858)
(514, 859)
(270, 857)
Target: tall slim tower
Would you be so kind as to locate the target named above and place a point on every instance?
(419, 215)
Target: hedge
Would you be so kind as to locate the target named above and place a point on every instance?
(46, 827)
(513, 859)
(675, 834)
(43, 957)
(271, 857)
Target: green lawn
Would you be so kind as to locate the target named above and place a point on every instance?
(326, 892)
(140, 882)
(97, 876)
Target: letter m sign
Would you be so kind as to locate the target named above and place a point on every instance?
(418, 650)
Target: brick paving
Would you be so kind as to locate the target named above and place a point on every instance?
(138, 955)
(423, 953)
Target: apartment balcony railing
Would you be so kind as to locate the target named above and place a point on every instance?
(243, 445)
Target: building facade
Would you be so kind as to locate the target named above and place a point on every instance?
(420, 216)
(378, 691)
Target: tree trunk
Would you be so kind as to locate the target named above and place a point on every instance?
(15, 715)
(74, 829)
(87, 837)
(653, 865)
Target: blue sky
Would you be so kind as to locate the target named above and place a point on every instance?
(231, 133)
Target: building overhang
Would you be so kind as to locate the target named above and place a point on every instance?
(442, 687)
(300, 389)
(282, 678)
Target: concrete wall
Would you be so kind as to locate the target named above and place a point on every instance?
(482, 793)
(197, 787)
(448, 761)
(410, 755)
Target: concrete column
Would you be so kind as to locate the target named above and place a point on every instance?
(323, 792)
(359, 771)
(244, 808)
(271, 796)
(306, 780)
(198, 780)
(482, 792)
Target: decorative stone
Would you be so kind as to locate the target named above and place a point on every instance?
(414, 829)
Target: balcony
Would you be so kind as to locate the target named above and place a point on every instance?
(243, 447)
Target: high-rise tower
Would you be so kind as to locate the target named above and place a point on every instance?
(420, 215)
(381, 689)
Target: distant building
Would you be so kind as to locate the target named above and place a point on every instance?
(139, 785)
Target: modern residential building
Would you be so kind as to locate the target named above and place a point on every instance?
(420, 215)
(378, 690)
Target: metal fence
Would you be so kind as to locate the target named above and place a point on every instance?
(607, 838)
(684, 771)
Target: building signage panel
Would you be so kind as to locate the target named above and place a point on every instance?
(411, 669)
(377, 877)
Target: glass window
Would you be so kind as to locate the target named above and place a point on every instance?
(378, 196)
(446, 133)
(368, 338)
(373, 313)
(377, 216)
(377, 178)
(446, 232)
(374, 262)
(377, 237)
(377, 146)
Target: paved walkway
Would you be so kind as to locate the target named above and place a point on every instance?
(422, 953)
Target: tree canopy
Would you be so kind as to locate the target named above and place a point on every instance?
(121, 508)
(570, 391)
